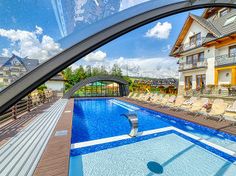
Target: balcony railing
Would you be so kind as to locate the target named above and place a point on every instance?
(184, 66)
(191, 45)
(225, 60)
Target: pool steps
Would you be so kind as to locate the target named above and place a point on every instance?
(20, 155)
(124, 105)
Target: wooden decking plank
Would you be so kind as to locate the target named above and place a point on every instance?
(56, 156)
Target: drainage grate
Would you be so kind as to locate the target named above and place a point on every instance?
(61, 133)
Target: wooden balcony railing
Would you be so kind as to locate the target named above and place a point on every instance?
(26, 105)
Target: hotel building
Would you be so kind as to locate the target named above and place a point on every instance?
(206, 50)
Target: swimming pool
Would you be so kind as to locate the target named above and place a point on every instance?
(99, 138)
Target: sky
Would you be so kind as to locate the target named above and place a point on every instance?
(30, 28)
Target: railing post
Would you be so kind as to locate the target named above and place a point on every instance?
(28, 103)
(14, 113)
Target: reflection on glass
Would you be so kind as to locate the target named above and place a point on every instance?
(32, 31)
(99, 89)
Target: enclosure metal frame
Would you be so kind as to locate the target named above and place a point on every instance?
(105, 32)
(123, 84)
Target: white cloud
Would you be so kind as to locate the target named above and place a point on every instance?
(166, 48)
(28, 44)
(160, 31)
(97, 56)
(129, 3)
(5, 52)
(161, 67)
(79, 10)
(38, 30)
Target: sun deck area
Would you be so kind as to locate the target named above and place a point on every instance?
(40, 145)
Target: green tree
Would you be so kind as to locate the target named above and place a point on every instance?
(116, 70)
(88, 71)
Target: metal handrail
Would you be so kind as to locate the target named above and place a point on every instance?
(185, 66)
(189, 45)
(225, 59)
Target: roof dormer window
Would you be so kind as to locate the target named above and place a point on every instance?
(223, 12)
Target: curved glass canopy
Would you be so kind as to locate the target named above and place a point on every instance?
(41, 38)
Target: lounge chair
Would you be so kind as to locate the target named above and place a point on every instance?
(130, 94)
(147, 97)
(137, 96)
(217, 110)
(230, 112)
(141, 97)
(164, 100)
(133, 95)
(153, 97)
(171, 101)
(178, 102)
(187, 104)
(157, 98)
(198, 106)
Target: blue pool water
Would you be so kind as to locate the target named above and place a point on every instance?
(168, 155)
(96, 119)
(101, 118)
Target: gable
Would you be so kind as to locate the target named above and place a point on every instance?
(14, 62)
(200, 25)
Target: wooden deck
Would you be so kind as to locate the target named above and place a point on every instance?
(225, 126)
(56, 156)
(11, 127)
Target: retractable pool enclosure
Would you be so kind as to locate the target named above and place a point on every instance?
(96, 35)
(102, 86)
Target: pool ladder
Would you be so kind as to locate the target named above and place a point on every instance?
(133, 120)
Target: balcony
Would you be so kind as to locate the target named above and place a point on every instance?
(225, 60)
(184, 66)
(191, 45)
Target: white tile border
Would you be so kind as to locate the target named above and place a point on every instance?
(155, 131)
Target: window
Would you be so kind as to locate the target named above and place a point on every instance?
(200, 81)
(201, 57)
(230, 20)
(188, 82)
(189, 60)
(195, 40)
(232, 51)
(194, 59)
(223, 12)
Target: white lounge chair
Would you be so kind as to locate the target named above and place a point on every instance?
(217, 110)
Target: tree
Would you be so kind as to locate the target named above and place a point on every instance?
(74, 76)
(116, 70)
(88, 71)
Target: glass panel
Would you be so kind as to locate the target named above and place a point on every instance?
(195, 59)
(99, 89)
(201, 57)
(189, 60)
(188, 82)
(232, 51)
(31, 32)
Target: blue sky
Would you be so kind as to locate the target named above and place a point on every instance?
(30, 28)
(136, 44)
